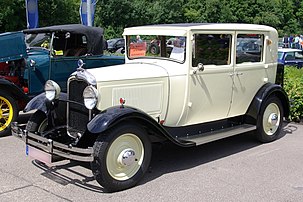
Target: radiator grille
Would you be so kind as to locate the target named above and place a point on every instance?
(78, 114)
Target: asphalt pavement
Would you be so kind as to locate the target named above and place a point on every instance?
(233, 169)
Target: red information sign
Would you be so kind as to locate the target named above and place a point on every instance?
(137, 49)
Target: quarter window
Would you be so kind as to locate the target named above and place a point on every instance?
(249, 48)
(211, 49)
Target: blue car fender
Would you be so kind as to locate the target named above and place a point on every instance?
(40, 102)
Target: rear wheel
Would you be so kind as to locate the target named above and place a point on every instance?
(269, 123)
(121, 157)
(8, 112)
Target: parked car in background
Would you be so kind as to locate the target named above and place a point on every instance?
(199, 92)
(114, 45)
(291, 57)
(31, 57)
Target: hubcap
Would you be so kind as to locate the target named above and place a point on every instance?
(6, 113)
(271, 119)
(125, 156)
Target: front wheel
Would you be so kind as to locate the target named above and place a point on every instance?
(8, 112)
(270, 119)
(121, 157)
(37, 122)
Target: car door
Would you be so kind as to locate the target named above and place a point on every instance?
(38, 61)
(210, 87)
(251, 71)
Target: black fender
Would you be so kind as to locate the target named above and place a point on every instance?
(13, 90)
(41, 103)
(113, 116)
(265, 92)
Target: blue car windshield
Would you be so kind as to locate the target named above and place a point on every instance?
(280, 55)
(38, 40)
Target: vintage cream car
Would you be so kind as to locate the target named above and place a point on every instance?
(205, 85)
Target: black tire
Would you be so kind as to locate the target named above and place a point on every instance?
(270, 119)
(121, 157)
(8, 112)
(37, 122)
(154, 49)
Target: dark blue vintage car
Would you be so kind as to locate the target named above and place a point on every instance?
(31, 57)
(291, 57)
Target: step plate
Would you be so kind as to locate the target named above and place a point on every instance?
(219, 134)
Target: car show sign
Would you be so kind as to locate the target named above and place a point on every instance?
(137, 49)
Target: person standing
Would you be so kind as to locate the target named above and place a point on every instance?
(301, 42)
(296, 42)
(285, 41)
(290, 41)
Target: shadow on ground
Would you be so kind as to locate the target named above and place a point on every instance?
(166, 158)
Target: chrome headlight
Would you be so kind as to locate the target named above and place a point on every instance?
(90, 95)
(52, 90)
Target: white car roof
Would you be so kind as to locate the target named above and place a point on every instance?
(182, 29)
(288, 50)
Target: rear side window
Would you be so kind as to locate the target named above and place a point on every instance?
(211, 49)
(249, 48)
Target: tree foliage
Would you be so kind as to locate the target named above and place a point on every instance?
(114, 15)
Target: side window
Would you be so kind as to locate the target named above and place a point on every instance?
(69, 45)
(299, 55)
(249, 48)
(290, 56)
(211, 49)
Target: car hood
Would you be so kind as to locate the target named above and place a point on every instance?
(128, 71)
(13, 46)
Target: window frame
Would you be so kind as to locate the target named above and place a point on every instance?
(217, 32)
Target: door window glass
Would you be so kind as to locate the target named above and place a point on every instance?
(249, 48)
(211, 49)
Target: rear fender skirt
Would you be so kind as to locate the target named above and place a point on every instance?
(266, 91)
(115, 115)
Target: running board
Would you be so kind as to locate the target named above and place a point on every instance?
(219, 134)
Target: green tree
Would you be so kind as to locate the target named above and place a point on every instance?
(58, 12)
(12, 15)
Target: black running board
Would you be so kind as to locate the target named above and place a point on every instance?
(219, 134)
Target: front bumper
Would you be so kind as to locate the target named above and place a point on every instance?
(47, 150)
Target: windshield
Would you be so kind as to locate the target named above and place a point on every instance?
(38, 40)
(280, 55)
(151, 46)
